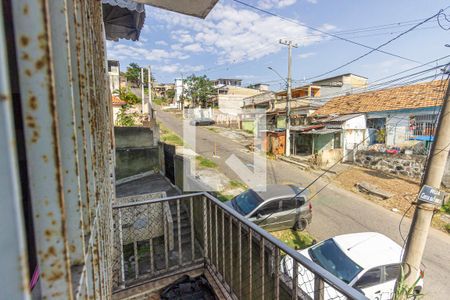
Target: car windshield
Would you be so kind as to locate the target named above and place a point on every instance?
(331, 258)
(246, 202)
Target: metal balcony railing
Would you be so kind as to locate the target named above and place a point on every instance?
(160, 236)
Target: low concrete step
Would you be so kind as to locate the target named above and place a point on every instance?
(301, 165)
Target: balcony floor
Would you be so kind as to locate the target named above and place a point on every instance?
(151, 290)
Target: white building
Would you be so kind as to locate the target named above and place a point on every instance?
(114, 75)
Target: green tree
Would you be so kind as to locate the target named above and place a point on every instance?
(133, 74)
(170, 94)
(128, 96)
(124, 118)
(198, 89)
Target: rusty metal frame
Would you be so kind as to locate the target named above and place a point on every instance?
(68, 132)
(14, 270)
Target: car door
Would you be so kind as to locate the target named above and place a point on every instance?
(390, 275)
(267, 215)
(370, 282)
(288, 213)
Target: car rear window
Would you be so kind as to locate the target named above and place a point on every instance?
(334, 260)
(246, 202)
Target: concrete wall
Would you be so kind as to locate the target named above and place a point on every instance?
(134, 161)
(135, 151)
(248, 125)
(133, 137)
(329, 157)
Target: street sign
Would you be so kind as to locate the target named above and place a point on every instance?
(431, 195)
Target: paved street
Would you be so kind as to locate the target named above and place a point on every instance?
(335, 210)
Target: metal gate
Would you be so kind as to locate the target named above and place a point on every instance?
(169, 161)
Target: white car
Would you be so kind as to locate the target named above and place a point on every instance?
(368, 261)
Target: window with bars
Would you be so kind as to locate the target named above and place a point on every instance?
(423, 125)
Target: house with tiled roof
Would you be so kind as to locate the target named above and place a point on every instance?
(117, 104)
(401, 113)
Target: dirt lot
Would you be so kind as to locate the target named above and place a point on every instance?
(404, 190)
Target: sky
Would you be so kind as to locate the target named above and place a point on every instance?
(235, 41)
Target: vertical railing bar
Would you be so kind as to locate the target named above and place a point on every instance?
(294, 279)
(262, 267)
(166, 244)
(216, 238)
(277, 273)
(250, 286)
(180, 254)
(231, 252)
(210, 233)
(191, 204)
(223, 245)
(240, 258)
(318, 288)
(151, 255)
(136, 259)
(122, 259)
(205, 229)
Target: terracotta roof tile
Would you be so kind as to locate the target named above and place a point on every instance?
(419, 95)
(116, 101)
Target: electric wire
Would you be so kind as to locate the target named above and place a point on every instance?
(323, 31)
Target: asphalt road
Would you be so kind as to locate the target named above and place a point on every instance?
(335, 210)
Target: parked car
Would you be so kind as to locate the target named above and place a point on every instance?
(202, 122)
(279, 207)
(369, 261)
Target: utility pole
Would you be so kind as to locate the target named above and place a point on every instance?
(150, 104)
(423, 214)
(142, 90)
(289, 96)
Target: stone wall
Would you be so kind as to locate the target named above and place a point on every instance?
(398, 164)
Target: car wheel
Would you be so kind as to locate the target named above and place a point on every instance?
(300, 225)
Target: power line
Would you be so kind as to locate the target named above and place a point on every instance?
(322, 31)
(332, 166)
(377, 48)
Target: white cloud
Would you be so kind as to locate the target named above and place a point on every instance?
(196, 47)
(161, 43)
(178, 68)
(267, 4)
(307, 54)
(235, 34)
(122, 51)
(312, 1)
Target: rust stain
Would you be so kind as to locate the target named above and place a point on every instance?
(24, 40)
(50, 214)
(48, 233)
(53, 222)
(35, 136)
(40, 63)
(25, 56)
(72, 248)
(28, 72)
(3, 97)
(45, 158)
(52, 251)
(25, 9)
(55, 276)
(33, 102)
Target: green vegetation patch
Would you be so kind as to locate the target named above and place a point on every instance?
(237, 184)
(169, 137)
(294, 239)
(205, 163)
(446, 208)
(224, 197)
(213, 129)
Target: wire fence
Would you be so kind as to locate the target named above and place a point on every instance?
(171, 235)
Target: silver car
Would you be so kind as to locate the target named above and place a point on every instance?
(279, 207)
